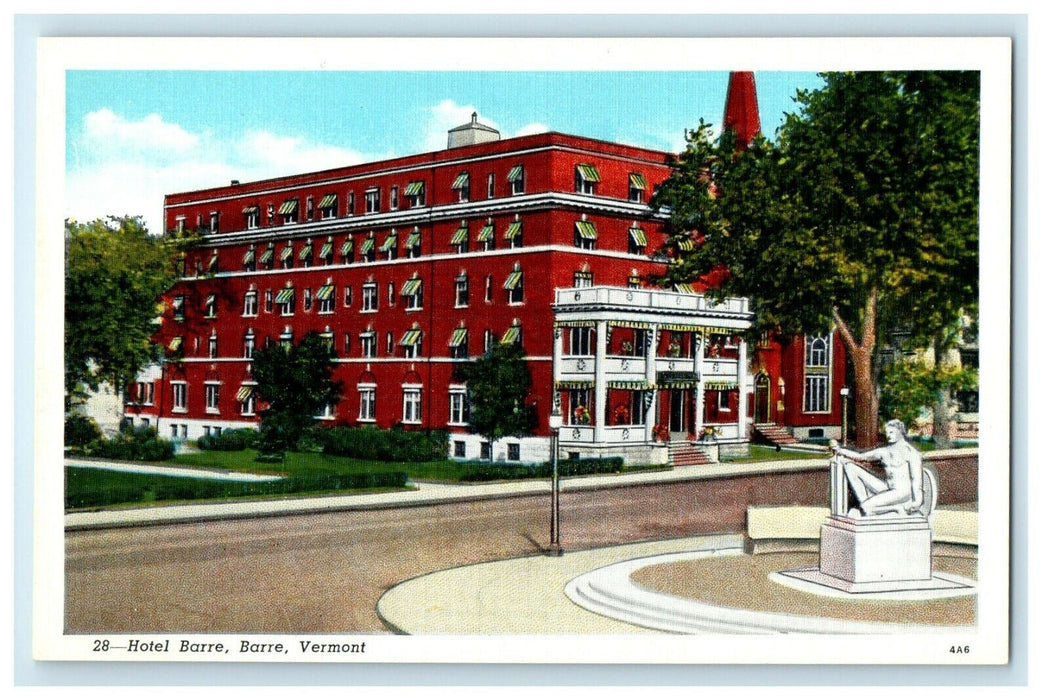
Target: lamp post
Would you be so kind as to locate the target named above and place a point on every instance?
(555, 489)
(844, 414)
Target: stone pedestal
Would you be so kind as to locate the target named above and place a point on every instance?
(876, 550)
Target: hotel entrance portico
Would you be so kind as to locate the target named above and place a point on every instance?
(634, 369)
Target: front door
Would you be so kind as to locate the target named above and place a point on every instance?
(762, 397)
(680, 413)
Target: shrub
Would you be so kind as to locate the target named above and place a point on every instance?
(382, 445)
(134, 444)
(80, 431)
(230, 440)
(497, 471)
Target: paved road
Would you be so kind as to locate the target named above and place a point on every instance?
(324, 572)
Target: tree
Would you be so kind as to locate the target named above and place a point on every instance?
(909, 387)
(115, 273)
(863, 214)
(498, 384)
(294, 382)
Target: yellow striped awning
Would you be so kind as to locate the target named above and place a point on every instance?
(458, 338)
(210, 299)
(576, 324)
(267, 255)
(367, 245)
(678, 384)
(512, 335)
(249, 256)
(250, 209)
(286, 253)
(411, 287)
(328, 201)
(515, 174)
(514, 280)
(389, 244)
(285, 295)
(574, 384)
(638, 236)
(684, 288)
(588, 172)
(686, 244)
(414, 238)
(721, 386)
(289, 207)
(640, 325)
(461, 181)
(681, 327)
(586, 230)
(347, 246)
(213, 264)
(487, 233)
(411, 337)
(513, 230)
(637, 180)
(414, 188)
(245, 391)
(175, 343)
(325, 292)
(460, 235)
(326, 249)
(631, 385)
(306, 252)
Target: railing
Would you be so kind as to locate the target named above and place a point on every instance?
(629, 368)
(648, 299)
(624, 434)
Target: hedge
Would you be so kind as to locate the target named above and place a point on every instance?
(382, 445)
(230, 440)
(497, 471)
(138, 444)
(80, 431)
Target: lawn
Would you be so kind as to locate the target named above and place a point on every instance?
(764, 453)
(311, 463)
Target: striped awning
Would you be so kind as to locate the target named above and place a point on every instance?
(414, 188)
(513, 230)
(389, 244)
(285, 295)
(721, 386)
(213, 264)
(250, 209)
(327, 248)
(681, 327)
(515, 174)
(306, 252)
(461, 181)
(574, 384)
(487, 233)
(411, 337)
(512, 335)
(411, 287)
(328, 201)
(514, 280)
(325, 292)
(415, 238)
(347, 246)
(630, 385)
(587, 172)
(367, 246)
(576, 324)
(286, 253)
(289, 207)
(210, 299)
(249, 257)
(721, 331)
(175, 343)
(678, 384)
(638, 236)
(686, 244)
(267, 255)
(246, 390)
(586, 230)
(637, 180)
(460, 235)
(684, 288)
(641, 325)
(458, 338)
(176, 303)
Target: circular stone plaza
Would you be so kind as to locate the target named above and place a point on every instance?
(724, 583)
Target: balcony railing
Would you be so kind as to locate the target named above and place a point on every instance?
(648, 299)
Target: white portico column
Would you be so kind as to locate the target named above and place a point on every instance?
(600, 385)
(651, 341)
(742, 370)
(699, 350)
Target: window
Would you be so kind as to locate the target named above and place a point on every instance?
(412, 291)
(213, 262)
(583, 278)
(389, 246)
(724, 400)
(347, 296)
(816, 354)
(513, 451)
(816, 393)
(579, 398)
(287, 257)
(326, 298)
(178, 307)
(512, 336)
(371, 200)
(394, 203)
(210, 305)
(491, 185)
(326, 412)
(461, 238)
(636, 186)
(413, 247)
(516, 178)
(249, 259)
(178, 397)
(411, 341)
(211, 397)
(416, 194)
(461, 186)
(370, 297)
(271, 213)
(266, 259)
(459, 345)
(580, 341)
(351, 203)
(346, 251)
(514, 286)
(389, 343)
(328, 251)
(586, 179)
(368, 344)
(459, 448)
(251, 303)
(488, 288)
(412, 404)
(249, 344)
(306, 254)
(487, 236)
(213, 346)
(634, 282)
(486, 340)
(180, 265)
(391, 297)
(462, 291)
(286, 338)
(817, 374)
(309, 208)
(636, 240)
(585, 234)
(347, 343)
(289, 211)
(486, 450)
(329, 206)
(368, 249)
(213, 224)
(269, 301)
(246, 399)
(457, 408)
(307, 299)
(285, 300)
(144, 393)
(367, 398)
(513, 234)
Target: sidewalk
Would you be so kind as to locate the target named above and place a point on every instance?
(424, 494)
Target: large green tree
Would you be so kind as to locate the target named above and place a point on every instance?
(295, 383)
(862, 214)
(498, 384)
(115, 273)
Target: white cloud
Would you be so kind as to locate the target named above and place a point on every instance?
(533, 128)
(126, 167)
(445, 115)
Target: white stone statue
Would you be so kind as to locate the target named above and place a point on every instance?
(907, 488)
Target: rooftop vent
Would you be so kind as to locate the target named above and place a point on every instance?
(472, 133)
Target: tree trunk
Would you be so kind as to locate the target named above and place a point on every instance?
(861, 354)
(942, 410)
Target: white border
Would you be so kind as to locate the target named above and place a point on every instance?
(990, 55)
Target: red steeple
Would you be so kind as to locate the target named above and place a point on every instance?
(741, 107)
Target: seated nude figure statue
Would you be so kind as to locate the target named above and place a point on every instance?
(902, 490)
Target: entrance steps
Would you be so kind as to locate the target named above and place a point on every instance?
(774, 434)
(685, 454)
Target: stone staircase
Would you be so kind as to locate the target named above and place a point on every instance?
(685, 454)
(774, 434)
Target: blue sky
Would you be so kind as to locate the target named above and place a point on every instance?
(133, 136)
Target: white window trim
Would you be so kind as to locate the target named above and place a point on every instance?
(459, 391)
(218, 388)
(414, 390)
(361, 390)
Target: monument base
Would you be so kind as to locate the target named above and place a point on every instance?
(876, 550)
(936, 582)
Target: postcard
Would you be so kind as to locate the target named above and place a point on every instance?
(648, 351)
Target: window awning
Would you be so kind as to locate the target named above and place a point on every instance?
(678, 383)
(411, 337)
(588, 173)
(721, 386)
(306, 252)
(576, 324)
(461, 181)
(586, 230)
(513, 230)
(460, 235)
(176, 303)
(415, 238)
(267, 255)
(630, 385)
(686, 244)
(213, 264)
(250, 209)
(414, 188)
(487, 233)
(210, 299)
(514, 280)
(637, 180)
(285, 295)
(638, 236)
(684, 288)
(175, 343)
(246, 390)
(328, 201)
(367, 245)
(458, 338)
(411, 287)
(515, 174)
(347, 246)
(574, 384)
(325, 292)
(326, 249)
(389, 244)
(512, 335)
(286, 253)
(289, 207)
(681, 327)
(638, 325)
(249, 256)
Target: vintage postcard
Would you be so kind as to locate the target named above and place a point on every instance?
(658, 351)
